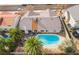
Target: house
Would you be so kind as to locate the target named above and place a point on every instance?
(72, 16)
(41, 20)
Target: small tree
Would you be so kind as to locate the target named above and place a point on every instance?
(33, 46)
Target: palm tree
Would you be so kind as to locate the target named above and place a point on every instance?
(33, 46)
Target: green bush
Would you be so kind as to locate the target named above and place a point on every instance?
(8, 45)
(69, 50)
(3, 50)
(33, 46)
(16, 34)
(67, 47)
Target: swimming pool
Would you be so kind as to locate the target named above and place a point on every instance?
(49, 39)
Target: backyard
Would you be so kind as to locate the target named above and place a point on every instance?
(37, 32)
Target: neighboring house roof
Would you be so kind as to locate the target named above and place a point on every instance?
(74, 12)
(39, 13)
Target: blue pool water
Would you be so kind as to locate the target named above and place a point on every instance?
(48, 39)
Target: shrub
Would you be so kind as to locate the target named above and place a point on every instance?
(16, 34)
(9, 44)
(33, 46)
(3, 50)
(67, 47)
